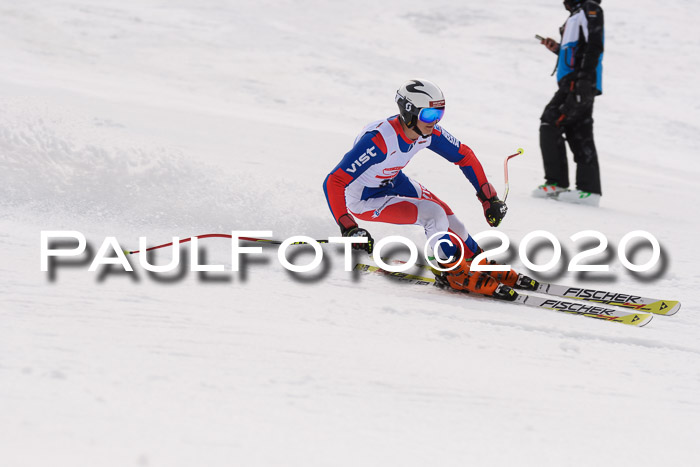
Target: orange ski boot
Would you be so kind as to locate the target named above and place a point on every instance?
(509, 278)
(463, 279)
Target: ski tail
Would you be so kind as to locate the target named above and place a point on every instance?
(400, 276)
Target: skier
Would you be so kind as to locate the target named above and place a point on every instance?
(370, 185)
(570, 112)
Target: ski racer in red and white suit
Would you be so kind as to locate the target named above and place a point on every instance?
(369, 183)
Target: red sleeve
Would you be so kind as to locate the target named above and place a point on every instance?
(334, 187)
(469, 159)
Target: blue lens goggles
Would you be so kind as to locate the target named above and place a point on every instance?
(430, 115)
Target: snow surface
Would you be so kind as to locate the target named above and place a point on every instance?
(180, 118)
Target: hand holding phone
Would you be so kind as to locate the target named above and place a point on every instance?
(548, 42)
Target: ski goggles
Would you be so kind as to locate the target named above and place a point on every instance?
(431, 115)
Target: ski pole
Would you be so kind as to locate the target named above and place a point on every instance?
(247, 239)
(505, 170)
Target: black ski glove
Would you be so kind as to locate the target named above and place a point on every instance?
(494, 209)
(349, 228)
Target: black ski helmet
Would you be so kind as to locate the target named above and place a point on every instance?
(571, 5)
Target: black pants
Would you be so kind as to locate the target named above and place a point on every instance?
(579, 134)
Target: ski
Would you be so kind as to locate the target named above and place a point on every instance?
(400, 276)
(633, 302)
(623, 300)
(591, 311)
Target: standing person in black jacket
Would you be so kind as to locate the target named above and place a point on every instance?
(570, 112)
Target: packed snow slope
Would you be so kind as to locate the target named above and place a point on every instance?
(179, 118)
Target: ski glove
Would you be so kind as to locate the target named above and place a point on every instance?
(494, 209)
(349, 228)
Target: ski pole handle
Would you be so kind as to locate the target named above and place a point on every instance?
(505, 171)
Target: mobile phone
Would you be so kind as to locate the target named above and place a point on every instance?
(538, 37)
